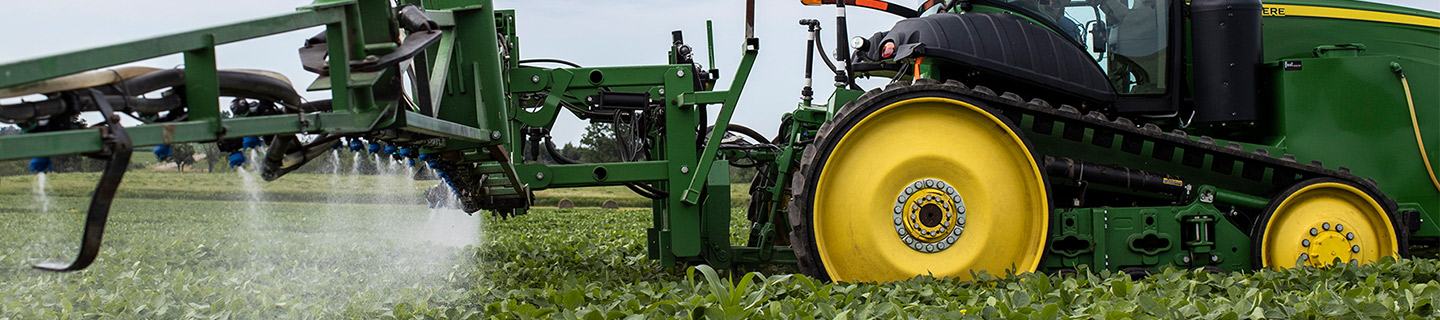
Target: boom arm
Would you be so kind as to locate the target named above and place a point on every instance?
(475, 121)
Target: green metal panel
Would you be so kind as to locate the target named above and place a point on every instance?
(540, 176)
(418, 123)
(202, 86)
(1351, 112)
(681, 220)
(715, 222)
(482, 52)
(841, 97)
(1147, 238)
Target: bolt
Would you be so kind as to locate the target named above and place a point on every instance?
(1326, 226)
(1354, 261)
(1185, 259)
(685, 169)
(1349, 236)
(662, 91)
(539, 176)
(495, 135)
(1305, 257)
(1314, 232)
(1305, 243)
(680, 73)
(1339, 227)
(535, 78)
(1215, 259)
(1355, 248)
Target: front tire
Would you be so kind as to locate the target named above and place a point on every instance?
(918, 180)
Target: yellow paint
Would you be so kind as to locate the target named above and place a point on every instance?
(978, 154)
(1286, 10)
(1313, 206)
(1328, 246)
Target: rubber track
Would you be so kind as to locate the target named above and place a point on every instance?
(1173, 146)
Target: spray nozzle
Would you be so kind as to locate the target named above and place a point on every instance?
(41, 165)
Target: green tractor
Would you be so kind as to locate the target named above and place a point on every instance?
(1013, 136)
(1025, 135)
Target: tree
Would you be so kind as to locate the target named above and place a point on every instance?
(572, 152)
(212, 153)
(598, 144)
(183, 154)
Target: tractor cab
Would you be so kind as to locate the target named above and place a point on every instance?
(1128, 39)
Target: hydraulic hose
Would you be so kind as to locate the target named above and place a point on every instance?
(555, 61)
(233, 83)
(555, 154)
(1415, 124)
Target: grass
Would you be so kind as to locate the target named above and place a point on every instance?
(181, 246)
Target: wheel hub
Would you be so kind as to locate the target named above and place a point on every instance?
(929, 215)
(1326, 242)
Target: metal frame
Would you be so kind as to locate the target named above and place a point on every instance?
(467, 109)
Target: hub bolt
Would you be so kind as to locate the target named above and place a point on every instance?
(1349, 236)
(1355, 248)
(1305, 256)
(1339, 227)
(1313, 231)
(1305, 243)
(1326, 226)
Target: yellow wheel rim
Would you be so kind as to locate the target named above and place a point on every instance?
(1326, 222)
(953, 177)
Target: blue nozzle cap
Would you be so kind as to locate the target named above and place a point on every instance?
(408, 152)
(164, 152)
(41, 165)
(374, 147)
(389, 149)
(251, 142)
(236, 159)
(356, 145)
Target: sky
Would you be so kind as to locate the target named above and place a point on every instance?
(591, 33)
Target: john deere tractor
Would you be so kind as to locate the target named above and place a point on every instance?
(1012, 135)
(1126, 135)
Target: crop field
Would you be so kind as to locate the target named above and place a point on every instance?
(197, 245)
